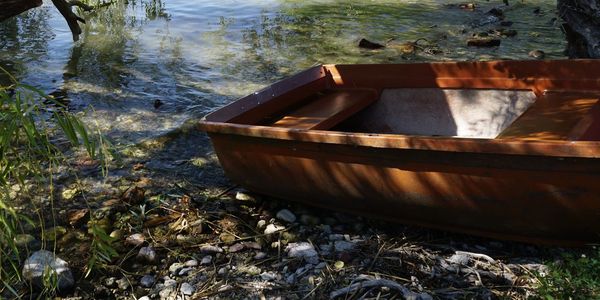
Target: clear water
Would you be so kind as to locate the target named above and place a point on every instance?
(194, 56)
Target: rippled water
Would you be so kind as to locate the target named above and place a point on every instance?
(193, 56)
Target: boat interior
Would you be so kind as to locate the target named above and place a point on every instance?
(486, 106)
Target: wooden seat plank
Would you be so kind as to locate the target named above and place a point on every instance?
(328, 110)
(556, 115)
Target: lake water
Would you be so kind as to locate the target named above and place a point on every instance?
(194, 56)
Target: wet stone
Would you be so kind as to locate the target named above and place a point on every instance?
(366, 44)
(537, 54)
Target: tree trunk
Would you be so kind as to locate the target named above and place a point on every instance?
(10, 8)
(582, 27)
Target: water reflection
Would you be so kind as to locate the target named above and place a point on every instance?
(195, 56)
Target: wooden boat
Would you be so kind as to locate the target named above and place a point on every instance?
(505, 149)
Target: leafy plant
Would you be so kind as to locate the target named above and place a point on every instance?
(30, 123)
(573, 277)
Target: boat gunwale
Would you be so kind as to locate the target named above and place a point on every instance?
(554, 148)
(536, 76)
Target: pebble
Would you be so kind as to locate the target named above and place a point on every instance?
(184, 271)
(207, 260)
(223, 271)
(116, 234)
(286, 216)
(260, 255)
(187, 289)
(110, 282)
(268, 276)
(170, 282)
(144, 298)
(191, 263)
(175, 268)
(303, 250)
(243, 196)
(147, 281)
(272, 228)
(166, 293)
(123, 284)
(210, 249)
(135, 239)
(236, 248)
(147, 254)
(344, 246)
(261, 224)
(460, 259)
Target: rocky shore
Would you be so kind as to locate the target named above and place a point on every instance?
(182, 231)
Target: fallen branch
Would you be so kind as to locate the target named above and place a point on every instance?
(81, 5)
(72, 19)
(14, 7)
(476, 255)
(406, 293)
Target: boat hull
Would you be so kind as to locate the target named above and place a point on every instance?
(541, 199)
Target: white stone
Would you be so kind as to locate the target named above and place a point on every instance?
(187, 289)
(303, 250)
(42, 260)
(272, 228)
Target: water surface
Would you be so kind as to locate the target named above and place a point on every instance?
(194, 56)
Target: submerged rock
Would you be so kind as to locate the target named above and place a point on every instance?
(43, 261)
(537, 54)
(483, 42)
(366, 44)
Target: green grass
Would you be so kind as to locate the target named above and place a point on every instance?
(575, 276)
(32, 128)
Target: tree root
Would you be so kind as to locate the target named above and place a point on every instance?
(406, 293)
(73, 20)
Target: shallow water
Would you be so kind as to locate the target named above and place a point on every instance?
(193, 56)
